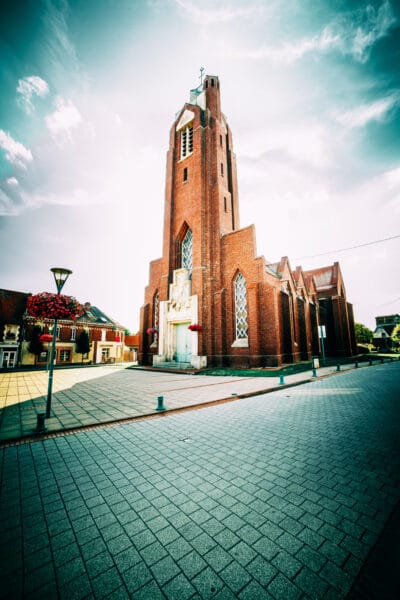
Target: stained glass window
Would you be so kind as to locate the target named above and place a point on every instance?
(241, 307)
(156, 311)
(187, 247)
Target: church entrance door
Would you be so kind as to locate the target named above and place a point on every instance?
(183, 346)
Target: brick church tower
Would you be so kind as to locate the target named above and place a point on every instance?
(210, 299)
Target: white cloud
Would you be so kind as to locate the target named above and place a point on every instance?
(16, 153)
(289, 53)
(352, 33)
(63, 120)
(7, 206)
(373, 111)
(29, 87)
(373, 24)
(13, 181)
(215, 12)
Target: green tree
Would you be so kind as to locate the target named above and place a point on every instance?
(83, 343)
(363, 334)
(35, 345)
(396, 337)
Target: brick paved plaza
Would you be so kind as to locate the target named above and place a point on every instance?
(281, 496)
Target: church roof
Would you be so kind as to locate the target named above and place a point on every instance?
(273, 268)
(325, 277)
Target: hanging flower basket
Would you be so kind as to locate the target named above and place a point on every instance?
(195, 327)
(152, 330)
(54, 306)
(45, 337)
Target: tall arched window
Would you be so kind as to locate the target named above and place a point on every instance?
(186, 250)
(240, 307)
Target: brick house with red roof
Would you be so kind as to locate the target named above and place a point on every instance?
(106, 336)
(211, 300)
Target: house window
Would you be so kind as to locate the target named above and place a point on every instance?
(105, 354)
(187, 248)
(11, 333)
(222, 170)
(73, 334)
(58, 332)
(241, 325)
(185, 174)
(65, 355)
(42, 357)
(186, 141)
(225, 205)
(220, 140)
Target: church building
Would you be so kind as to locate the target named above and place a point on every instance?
(211, 301)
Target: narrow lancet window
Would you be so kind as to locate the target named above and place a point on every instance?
(241, 307)
(187, 250)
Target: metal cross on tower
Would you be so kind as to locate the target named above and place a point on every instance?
(201, 75)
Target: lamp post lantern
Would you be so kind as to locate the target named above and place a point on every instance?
(60, 277)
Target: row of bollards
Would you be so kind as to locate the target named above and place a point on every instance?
(160, 399)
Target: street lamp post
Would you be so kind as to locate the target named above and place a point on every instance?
(60, 277)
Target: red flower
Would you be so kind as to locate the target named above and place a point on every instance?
(45, 337)
(195, 327)
(54, 306)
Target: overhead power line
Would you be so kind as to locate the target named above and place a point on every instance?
(393, 237)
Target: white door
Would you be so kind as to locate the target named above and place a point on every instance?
(183, 346)
(8, 359)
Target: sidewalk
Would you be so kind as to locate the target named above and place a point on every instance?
(87, 396)
(281, 496)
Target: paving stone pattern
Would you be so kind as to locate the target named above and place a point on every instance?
(91, 395)
(278, 496)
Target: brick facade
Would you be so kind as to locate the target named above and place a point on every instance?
(282, 309)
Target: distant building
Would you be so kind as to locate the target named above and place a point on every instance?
(17, 329)
(12, 309)
(211, 300)
(383, 331)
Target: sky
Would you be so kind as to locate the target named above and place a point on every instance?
(90, 89)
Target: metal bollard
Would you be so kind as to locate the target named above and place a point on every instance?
(382, 360)
(160, 403)
(281, 379)
(370, 362)
(337, 367)
(40, 422)
(314, 372)
(356, 364)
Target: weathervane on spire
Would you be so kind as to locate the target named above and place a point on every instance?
(201, 75)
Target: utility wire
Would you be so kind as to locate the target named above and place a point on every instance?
(349, 248)
(391, 302)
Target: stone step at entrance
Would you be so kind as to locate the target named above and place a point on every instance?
(173, 364)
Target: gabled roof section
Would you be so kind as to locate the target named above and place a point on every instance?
(186, 117)
(272, 268)
(12, 306)
(328, 279)
(300, 279)
(94, 315)
(284, 270)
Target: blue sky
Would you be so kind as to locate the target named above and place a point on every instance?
(90, 89)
